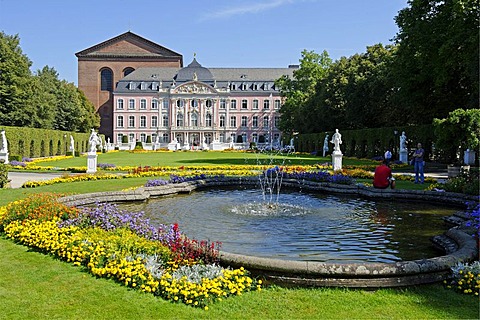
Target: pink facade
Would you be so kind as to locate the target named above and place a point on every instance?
(196, 113)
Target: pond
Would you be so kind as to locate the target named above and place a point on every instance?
(304, 226)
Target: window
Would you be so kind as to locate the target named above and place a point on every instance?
(119, 137)
(233, 104)
(255, 121)
(222, 137)
(120, 104)
(222, 121)
(165, 137)
(143, 104)
(266, 104)
(165, 104)
(143, 86)
(131, 86)
(143, 121)
(154, 104)
(208, 120)
(179, 103)
(179, 120)
(223, 104)
(131, 104)
(277, 104)
(154, 122)
(276, 138)
(165, 120)
(277, 121)
(127, 71)
(209, 103)
(255, 105)
(265, 121)
(131, 121)
(266, 86)
(243, 87)
(244, 137)
(194, 120)
(154, 87)
(233, 86)
(106, 80)
(119, 121)
(255, 137)
(131, 137)
(255, 86)
(233, 121)
(244, 121)
(194, 103)
(143, 137)
(244, 104)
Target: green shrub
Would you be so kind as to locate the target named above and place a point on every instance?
(124, 139)
(149, 139)
(3, 175)
(15, 157)
(138, 145)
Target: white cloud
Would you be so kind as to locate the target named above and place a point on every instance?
(246, 8)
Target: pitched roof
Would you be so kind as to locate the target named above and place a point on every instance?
(145, 48)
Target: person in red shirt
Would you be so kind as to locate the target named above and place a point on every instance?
(382, 178)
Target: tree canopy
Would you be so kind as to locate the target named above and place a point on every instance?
(39, 100)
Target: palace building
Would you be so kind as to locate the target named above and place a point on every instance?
(142, 91)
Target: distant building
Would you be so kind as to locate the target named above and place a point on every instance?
(141, 89)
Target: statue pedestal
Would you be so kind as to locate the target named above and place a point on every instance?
(91, 162)
(173, 146)
(403, 156)
(217, 145)
(4, 157)
(337, 160)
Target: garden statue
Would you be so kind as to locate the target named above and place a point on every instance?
(403, 141)
(325, 145)
(337, 141)
(4, 145)
(403, 148)
(94, 141)
(72, 144)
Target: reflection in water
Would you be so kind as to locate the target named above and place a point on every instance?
(307, 227)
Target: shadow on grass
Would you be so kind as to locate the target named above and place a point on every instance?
(253, 161)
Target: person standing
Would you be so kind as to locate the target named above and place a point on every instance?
(418, 164)
(388, 157)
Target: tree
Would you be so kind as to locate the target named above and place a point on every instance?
(356, 92)
(297, 91)
(458, 132)
(15, 81)
(436, 64)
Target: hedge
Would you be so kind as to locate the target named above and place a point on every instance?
(369, 143)
(35, 143)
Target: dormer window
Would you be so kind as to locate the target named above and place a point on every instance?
(243, 87)
(143, 86)
(255, 86)
(233, 86)
(266, 86)
(131, 86)
(154, 86)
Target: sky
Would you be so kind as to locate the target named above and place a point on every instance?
(226, 33)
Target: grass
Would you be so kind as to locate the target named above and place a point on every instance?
(36, 286)
(124, 158)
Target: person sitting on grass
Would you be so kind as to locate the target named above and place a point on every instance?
(382, 178)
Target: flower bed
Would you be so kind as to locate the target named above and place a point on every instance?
(123, 246)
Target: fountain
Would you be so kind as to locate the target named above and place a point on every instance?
(387, 268)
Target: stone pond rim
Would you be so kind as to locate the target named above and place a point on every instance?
(458, 245)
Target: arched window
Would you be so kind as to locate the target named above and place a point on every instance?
(106, 80)
(127, 71)
(179, 120)
(194, 120)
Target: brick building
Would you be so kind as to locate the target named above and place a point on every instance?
(142, 91)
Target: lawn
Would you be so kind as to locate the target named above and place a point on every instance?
(36, 286)
(124, 158)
